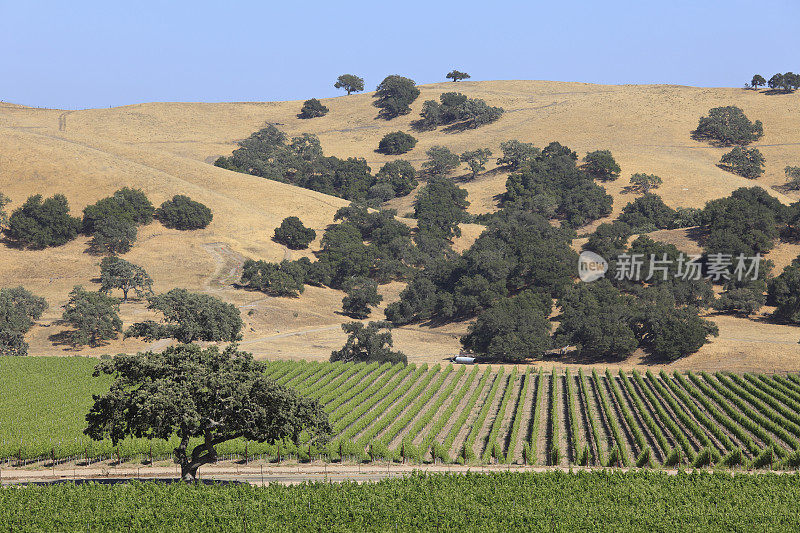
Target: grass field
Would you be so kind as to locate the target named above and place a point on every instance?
(168, 148)
(449, 413)
(554, 501)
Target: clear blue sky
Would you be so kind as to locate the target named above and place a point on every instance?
(98, 54)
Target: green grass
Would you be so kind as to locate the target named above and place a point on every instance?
(552, 501)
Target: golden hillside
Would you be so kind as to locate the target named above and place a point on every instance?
(168, 148)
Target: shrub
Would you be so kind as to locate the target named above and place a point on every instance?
(394, 96)
(38, 224)
(313, 108)
(93, 315)
(183, 213)
(601, 165)
(400, 175)
(728, 126)
(748, 163)
(396, 143)
(294, 234)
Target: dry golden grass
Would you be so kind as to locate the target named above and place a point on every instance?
(167, 148)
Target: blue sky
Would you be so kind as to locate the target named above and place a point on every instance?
(98, 54)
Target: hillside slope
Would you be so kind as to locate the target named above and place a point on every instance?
(167, 148)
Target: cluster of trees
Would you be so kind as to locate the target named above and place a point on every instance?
(649, 213)
(728, 126)
(19, 310)
(457, 111)
(786, 83)
(287, 278)
(550, 183)
(269, 154)
(113, 222)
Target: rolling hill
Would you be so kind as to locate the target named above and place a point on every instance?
(168, 148)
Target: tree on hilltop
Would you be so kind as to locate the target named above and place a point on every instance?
(395, 95)
(758, 81)
(198, 393)
(350, 83)
(457, 75)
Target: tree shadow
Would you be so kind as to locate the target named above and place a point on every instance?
(772, 92)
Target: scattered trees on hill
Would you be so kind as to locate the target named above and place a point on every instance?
(116, 273)
(350, 83)
(293, 234)
(727, 126)
(648, 213)
(441, 161)
(368, 344)
(457, 75)
(19, 309)
(786, 83)
(758, 81)
(266, 153)
(400, 175)
(198, 393)
(512, 329)
(476, 160)
(396, 143)
(39, 224)
(515, 153)
(313, 108)
(552, 185)
(94, 316)
(457, 111)
(362, 293)
(644, 183)
(601, 165)
(394, 96)
(746, 162)
(190, 317)
(439, 207)
(183, 213)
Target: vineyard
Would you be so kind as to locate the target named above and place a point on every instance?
(446, 413)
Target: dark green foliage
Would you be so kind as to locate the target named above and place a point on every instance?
(458, 112)
(113, 236)
(38, 224)
(515, 153)
(644, 183)
(344, 255)
(394, 96)
(758, 81)
(190, 317)
(553, 186)
(350, 83)
(127, 204)
(116, 273)
(727, 126)
(193, 392)
(362, 293)
(396, 143)
(439, 207)
(93, 315)
(648, 213)
(19, 309)
(286, 278)
(786, 83)
(595, 318)
(294, 234)
(792, 176)
(183, 213)
(400, 175)
(741, 300)
(686, 217)
(441, 161)
(746, 222)
(368, 344)
(784, 294)
(266, 153)
(601, 165)
(476, 160)
(4, 200)
(512, 329)
(313, 108)
(457, 75)
(746, 162)
(609, 239)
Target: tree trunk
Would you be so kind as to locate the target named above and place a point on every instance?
(202, 454)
